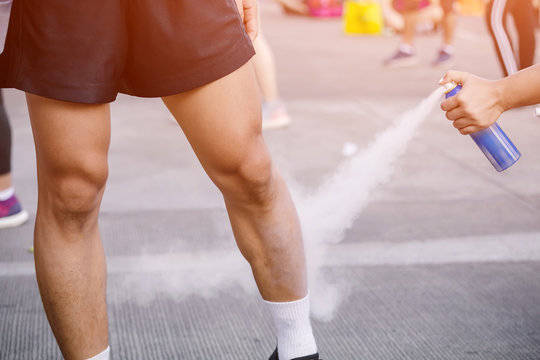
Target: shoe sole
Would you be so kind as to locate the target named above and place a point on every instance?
(277, 123)
(14, 220)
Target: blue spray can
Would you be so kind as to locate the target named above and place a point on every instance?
(493, 142)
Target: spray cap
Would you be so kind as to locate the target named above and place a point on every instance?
(449, 86)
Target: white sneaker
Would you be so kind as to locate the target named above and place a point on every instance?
(274, 116)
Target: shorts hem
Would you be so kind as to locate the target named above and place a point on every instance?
(201, 75)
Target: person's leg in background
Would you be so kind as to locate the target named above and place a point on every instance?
(445, 55)
(11, 211)
(496, 16)
(295, 7)
(523, 13)
(406, 54)
(72, 142)
(525, 21)
(274, 112)
(222, 121)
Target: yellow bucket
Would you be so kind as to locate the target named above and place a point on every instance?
(363, 17)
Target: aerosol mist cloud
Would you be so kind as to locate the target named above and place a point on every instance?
(331, 210)
(325, 214)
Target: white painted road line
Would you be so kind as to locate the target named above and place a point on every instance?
(475, 249)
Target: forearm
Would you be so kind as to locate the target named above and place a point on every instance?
(520, 89)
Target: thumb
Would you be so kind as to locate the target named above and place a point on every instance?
(459, 77)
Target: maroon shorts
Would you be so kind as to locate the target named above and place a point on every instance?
(88, 51)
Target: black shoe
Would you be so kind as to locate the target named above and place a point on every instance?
(274, 356)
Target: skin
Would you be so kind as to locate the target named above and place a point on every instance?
(480, 103)
(222, 121)
(449, 24)
(248, 12)
(5, 181)
(265, 69)
(410, 18)
(294, 6)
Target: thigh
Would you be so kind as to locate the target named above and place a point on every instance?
(70, 138)
(222, 120)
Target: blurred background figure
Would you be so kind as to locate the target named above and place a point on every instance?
(296, 7)
(413, 13)
(523, 16)
(11, 211)
(275, 114)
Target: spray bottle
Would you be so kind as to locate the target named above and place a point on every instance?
(493, 142)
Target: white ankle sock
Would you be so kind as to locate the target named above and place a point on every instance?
(406, 48)
(7, 193)
(449, 49)
(103, 355)
(294, 333)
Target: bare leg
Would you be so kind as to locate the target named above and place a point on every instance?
(294, 6)
(410, 19)
(449, 24)
(72, 142)
(5, 181)
(222, 121)
(265, 69)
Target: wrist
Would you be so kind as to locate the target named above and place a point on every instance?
(501, 95)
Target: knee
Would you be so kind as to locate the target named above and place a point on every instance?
(250, 178)
(74, 192)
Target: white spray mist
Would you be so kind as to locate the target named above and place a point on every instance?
(332, 209)
(325, 215)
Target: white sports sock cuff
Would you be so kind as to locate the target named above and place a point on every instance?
(103, 355)
(449, 49)
(286, 307)
(294, 333)
(406, 48)
(7, 193)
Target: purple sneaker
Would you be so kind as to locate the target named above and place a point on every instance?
(401, 59)
(444, 59)
(11, 213)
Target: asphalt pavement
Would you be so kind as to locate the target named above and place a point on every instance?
(441, 260)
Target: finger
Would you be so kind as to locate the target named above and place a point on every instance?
(468, 130)
(251, 19)
(450, 103)
(252, 28)
(240, 6)
(454, 114)
(461, 123)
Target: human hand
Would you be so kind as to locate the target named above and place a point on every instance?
(476, 107)
(248, 12)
